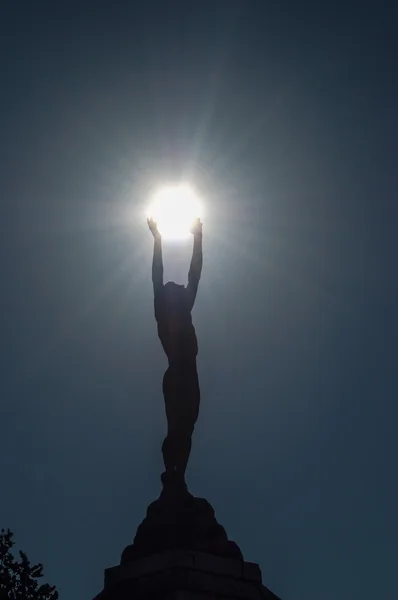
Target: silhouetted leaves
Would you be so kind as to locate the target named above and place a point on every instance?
(18, 578)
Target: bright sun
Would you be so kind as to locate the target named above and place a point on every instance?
(175, 208)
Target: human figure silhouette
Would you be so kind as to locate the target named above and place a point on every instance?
(173, 306)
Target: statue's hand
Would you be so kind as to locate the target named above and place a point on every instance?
(196, 228)
(153, 227)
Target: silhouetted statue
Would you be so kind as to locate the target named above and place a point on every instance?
(173, 305)
(177, 519)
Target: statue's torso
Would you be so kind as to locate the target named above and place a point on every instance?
(175, 328)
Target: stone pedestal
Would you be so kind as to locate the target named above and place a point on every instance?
(177, 520)
(184, 575)
(181, 552)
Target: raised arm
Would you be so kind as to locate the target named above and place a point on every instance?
(195, 269)
(157, 263)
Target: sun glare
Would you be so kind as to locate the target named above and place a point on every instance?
(175, 208)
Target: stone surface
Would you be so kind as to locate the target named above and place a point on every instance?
(184, 575)
(178, 520)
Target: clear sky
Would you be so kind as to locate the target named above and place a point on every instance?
(284, 116)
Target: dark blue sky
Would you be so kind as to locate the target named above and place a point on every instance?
(284, 115)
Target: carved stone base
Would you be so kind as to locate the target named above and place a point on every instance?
(180, 552)
(178, 520)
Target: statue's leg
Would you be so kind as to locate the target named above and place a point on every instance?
(190, 412)
(176, 449)
(182, 398)
(170, 443)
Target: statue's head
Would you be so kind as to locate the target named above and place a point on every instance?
(174, 292)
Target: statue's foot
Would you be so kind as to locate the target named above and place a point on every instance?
(173, 483)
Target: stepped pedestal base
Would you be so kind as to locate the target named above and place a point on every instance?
(184, 575)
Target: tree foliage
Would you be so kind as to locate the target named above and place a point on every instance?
(18, 577)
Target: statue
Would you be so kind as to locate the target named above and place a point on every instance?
(173, 306)
(177, 519)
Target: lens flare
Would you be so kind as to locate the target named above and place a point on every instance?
(175, 208)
